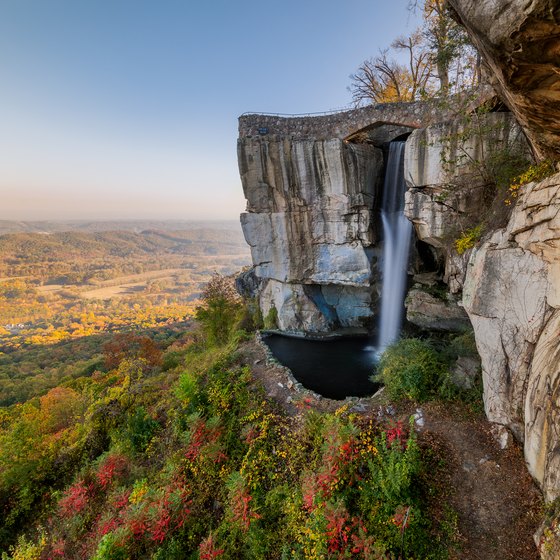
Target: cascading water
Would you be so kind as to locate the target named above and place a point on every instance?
(397, 232)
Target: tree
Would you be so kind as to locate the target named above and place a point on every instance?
(383, 80)
(221, 309)
(437, 57)
(454, 58)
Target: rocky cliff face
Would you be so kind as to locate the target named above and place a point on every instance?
(510, 284)
(520, 41)
(309, 225)
(444, 171)
(512, 296)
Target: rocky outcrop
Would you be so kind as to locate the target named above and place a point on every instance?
(520, 41)
(311, 185)
(435, 313)
(309, 226)
(444, 169)
(511, 294)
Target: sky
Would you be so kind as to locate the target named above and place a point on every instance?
(127, 109)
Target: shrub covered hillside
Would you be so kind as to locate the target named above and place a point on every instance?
(183, 457)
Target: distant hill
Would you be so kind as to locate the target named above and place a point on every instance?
(48, 226)
(70, 246)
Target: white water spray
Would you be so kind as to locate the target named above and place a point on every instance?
(397, 232)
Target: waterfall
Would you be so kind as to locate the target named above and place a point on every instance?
(397, 232)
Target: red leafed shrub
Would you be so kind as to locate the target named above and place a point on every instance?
(120, 501)
(113, 466)
(75, 499)
(198, 439)
(396, 432)
(161, 523)
(180, 503)
(328, 478)
(203, 435)
(364, 544)
(107, 526)
(338, 529)
(309, 491)
(57, 549)
(348, 451)
(207, 549)
(138, 524)
(241, 509)
(402, 517)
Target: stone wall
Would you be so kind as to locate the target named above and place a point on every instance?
(343, 124)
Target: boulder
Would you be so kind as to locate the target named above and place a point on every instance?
(434, 313)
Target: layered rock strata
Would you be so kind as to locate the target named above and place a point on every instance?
(446, 192)
(444, 170)
(309, 226)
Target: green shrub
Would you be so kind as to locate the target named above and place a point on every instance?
(139, 430)
(109, 548)
(252, 319)
(271, 319)
(411, 369)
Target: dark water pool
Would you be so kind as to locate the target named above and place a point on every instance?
(336, 368)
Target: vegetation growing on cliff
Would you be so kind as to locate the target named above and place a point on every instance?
(180, 455)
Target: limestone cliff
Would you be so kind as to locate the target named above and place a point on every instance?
(510, 283)
(512, 296)
(445, 168)
(312, 225)
(513, 279)
(312, 209)
(309, 225)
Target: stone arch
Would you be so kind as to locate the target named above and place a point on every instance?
(379, 133)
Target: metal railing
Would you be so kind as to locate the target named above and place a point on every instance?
(316, 114)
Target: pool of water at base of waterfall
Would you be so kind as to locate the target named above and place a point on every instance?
(333, 368)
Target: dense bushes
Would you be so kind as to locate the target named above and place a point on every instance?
(183, 457)
(214, 470)
(412, 369)
(419, 369)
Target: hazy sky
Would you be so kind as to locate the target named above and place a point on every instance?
(128, 108)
